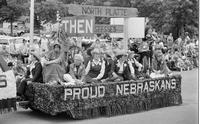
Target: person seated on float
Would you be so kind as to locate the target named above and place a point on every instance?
(54, 67)
(76, 72)
(160, 68)
(137, 66)
(123, 69)
(34, 74)
(109, 65)
(95, 68)
(19, 71)
(72, 51)
(97, 44)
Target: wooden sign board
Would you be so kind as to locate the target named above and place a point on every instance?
(102, 11)
(136, 27)
(99, 29)
(78, 25)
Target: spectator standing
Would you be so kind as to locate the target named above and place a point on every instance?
(170, 41)
(23, 50)
(12, 49)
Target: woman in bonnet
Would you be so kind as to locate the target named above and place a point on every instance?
(76, 72)
(54, 66)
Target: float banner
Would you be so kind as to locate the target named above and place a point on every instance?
(99, 29)
(102, 11)
(106, 99)
(129, 88)
(78, 26)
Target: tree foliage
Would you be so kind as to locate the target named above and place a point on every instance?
(176, 16)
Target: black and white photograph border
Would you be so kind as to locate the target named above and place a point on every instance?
(99, 61)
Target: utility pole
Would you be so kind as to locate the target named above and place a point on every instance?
(31, 22)
(58, 19)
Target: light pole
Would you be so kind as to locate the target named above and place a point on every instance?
(31, 22)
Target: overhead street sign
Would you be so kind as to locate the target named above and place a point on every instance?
(102, 11)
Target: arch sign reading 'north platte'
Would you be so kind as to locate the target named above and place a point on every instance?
(102, 11)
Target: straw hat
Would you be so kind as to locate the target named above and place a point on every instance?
(121, 53)
(36, 55)
(109, 53)
(95, 50)
(78, 57)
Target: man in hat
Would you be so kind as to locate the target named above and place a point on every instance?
(123, 70)
(34, 74)
(77, 70)
(138, 67)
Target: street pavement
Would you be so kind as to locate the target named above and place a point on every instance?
(187, 113)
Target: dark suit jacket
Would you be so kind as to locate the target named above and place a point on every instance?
(37, 73)
(126, 75)
(109, 68)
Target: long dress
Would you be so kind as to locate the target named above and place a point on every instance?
(55, 71)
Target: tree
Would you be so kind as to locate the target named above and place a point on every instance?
(9, 13)
(176, 16)
(3, 3)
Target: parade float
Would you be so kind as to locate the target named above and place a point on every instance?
(105, 99)
(102, 99)
(95, 99)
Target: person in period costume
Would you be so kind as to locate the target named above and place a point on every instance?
(77, 71)
(97, 44)
(138, 67)
(160, 68)
(123, 69)
(72, 51)
(54, 66)
(109, 66)
(34, 74)
(145, 52)
(95, 68)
